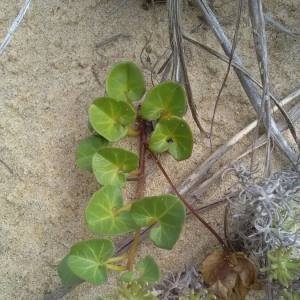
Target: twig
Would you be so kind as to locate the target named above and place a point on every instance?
(201, 171)
(247, 84)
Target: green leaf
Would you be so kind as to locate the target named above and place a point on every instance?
(86, 150)
(104, 213)
(149, 270)
(128, 276)
(87, 260)
(110, 118)
(125, 82)
(283, 266)
(168, 211)
(166, 99)
(111, 165)
(174, 135)
(68, 278)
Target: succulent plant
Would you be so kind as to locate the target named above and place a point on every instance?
(282, 266)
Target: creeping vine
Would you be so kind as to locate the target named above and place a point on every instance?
(157, 120)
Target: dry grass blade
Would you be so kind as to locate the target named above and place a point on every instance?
(270, 20)
(179, 72)
(260, 41)
(224, 58)
(234, 45)
(247, 84)
(261, 141)
(202, 170)
(14, 26)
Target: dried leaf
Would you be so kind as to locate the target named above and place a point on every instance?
(229, 274)
(220, 290)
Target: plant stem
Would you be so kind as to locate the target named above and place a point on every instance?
(139, 189)
(189, 207)
(116, 267)
(133, 249)
(132, 132)
(117, 259)
(142, 158)
(144, 233)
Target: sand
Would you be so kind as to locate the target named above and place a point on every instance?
(51, 72)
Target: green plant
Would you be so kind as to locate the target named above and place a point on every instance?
(282, 266)
(112, 118)
(286, 295)
(134, 291)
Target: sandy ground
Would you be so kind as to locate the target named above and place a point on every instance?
(49, 76)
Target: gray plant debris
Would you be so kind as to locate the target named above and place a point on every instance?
(182, 285)
(265, 213)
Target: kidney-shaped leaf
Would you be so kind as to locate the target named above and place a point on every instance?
(165, 99)
(86, 150)
(167, 211)
(110, 118)
(148, 269)
(68, 278)
(111, 165)
(125, 82)
(87, 259)
(174, 135)
(104, 214)
(147, 272)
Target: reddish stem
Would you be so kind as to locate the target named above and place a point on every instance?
(190, 208)
(142, 159)
(140, 188)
